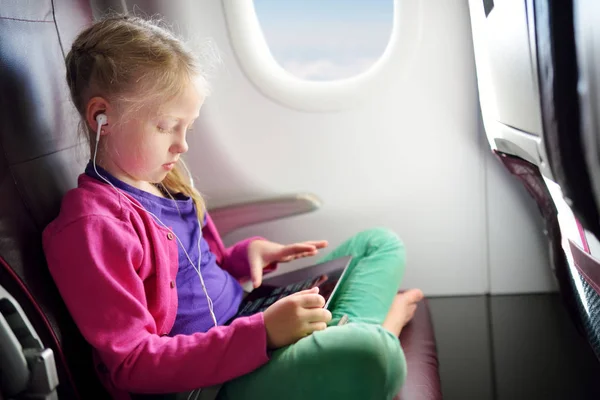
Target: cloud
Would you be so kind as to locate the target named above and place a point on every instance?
(325, 48)
(326, 69)
(339, 37)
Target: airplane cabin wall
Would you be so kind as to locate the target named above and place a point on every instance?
(412, 158)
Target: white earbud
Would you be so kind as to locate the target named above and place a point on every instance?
(101, 119)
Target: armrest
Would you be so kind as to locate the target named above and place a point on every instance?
(28, 369)
(235, 216)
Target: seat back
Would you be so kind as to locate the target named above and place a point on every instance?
(538, 103)
(41, 155)
(562, 104)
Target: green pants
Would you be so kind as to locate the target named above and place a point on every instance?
(359, 360)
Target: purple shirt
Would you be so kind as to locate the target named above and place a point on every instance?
(180, 216)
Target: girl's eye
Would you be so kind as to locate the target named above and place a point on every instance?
(163, 129)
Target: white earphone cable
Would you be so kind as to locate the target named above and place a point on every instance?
(189, 174)
(197, 269)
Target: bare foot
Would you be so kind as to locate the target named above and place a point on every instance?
(402, 310)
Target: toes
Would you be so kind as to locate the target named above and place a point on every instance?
(413, 295)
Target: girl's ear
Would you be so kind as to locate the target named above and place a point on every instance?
(96, 106)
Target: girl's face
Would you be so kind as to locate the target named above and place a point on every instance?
(144, 148)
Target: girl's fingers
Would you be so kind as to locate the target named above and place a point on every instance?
(293, 249)
(312, 300)
(315, 315)
(319, 244)
(317, 326)
(305, 292)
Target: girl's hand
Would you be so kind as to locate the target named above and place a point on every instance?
(262, 253)
(294, 317)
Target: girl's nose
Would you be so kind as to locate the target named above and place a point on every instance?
(180, 146)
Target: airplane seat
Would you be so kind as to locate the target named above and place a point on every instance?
(41, 155)
(567, 49)
(418, 342)
(537, 101)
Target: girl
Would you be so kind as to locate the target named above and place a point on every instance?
(150, 287)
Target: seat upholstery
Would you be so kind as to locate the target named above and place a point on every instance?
(40, 158)
(418, 342)
(41, 155)
(567, 105)
(565, 96)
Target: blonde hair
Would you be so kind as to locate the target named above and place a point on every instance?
(134, 63)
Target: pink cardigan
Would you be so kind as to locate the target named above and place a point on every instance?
(115, 268)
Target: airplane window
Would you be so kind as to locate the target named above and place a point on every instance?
(322, 40)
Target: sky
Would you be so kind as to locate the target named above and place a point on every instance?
(325, 39)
